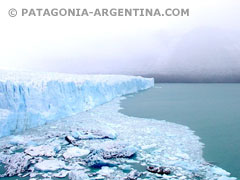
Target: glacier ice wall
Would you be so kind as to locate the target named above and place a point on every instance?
(29, 99)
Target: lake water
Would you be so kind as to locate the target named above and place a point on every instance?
(211, 110)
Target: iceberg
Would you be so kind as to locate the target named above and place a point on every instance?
(31, 99)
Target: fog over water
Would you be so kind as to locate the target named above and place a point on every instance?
(204, 47)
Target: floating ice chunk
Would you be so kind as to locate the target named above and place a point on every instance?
(99, 177)
(75, 152)
(61, 174)
(46, 175)
(43, 150)
(78, 175)
(150, 146)
(133, 175)
(105, 171)
(125, 167)
(96, 160)
(227, 178)
(108, 150)
(117, 150)
(57, 148)
(16, 140)
(95, 134)
(182, 178)
(15, 164)
(159, 170)
(33, 174)
(109, 133)
(220, 171)
(50, 165)
(131, 161)
(74, 166)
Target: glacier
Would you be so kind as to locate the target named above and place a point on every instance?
(63, 132)
(31, 99)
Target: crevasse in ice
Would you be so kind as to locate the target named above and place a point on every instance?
(30, 99)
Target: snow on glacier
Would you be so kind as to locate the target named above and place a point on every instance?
(30, 99)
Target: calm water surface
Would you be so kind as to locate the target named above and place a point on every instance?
(211, 110)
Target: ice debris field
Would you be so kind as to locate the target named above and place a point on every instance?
(69, 127)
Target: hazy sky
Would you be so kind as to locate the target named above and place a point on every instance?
(104, 44)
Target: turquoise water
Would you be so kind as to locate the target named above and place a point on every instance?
(211, 110)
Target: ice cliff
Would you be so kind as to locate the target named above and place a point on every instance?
(30, 99)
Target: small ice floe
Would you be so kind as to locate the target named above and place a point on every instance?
(227, 178)
(15, 164)
(105, 133)
(42, 150)
(159, 170)
(125, 167)
(109, 150)
(99, 177)
(223, 175)
(61, 174)
(75, 152)
(17, 140)
(105, 171)
(78, 175)
(133, 175)
(75, 166)
(220, 171)
(117, 150)
(148, 147)
(33, 174)
(50, 165)
(131, 161)
(96, 160)
(46, 175)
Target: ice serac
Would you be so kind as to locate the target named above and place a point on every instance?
(30, 99)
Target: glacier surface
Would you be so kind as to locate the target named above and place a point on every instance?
(30, 99)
